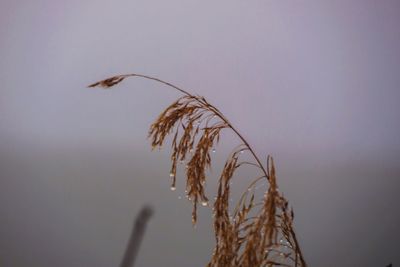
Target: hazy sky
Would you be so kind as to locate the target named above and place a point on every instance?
(314, 83)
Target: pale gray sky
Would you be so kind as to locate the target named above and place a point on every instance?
(314, 83)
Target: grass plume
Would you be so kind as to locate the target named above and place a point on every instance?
(260, 232)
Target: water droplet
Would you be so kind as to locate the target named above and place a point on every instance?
(213, 150)
(281, 254)
(266, 251)
(204, 203)
(281, 240)
(171, 174)
(241, 151)
(173, 188)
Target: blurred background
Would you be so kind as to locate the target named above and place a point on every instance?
(316, 84)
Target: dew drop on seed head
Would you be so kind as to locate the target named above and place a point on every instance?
(204, 203)
(213, 150)
(171, 174)
(173, 188)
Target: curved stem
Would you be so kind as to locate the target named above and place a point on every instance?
(214, 109)
(157, 80)
(248, 146)
(247, 163)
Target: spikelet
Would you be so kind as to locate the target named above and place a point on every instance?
(188, 118)
(107, 83)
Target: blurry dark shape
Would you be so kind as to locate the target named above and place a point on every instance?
(136, 237)
(390, 265)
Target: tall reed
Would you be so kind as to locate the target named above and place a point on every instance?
(258, 232)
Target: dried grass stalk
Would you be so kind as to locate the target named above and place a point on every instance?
(258, 233)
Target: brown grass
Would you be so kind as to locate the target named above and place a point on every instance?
(258, 233)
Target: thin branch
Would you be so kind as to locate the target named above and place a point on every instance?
(136, 236)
